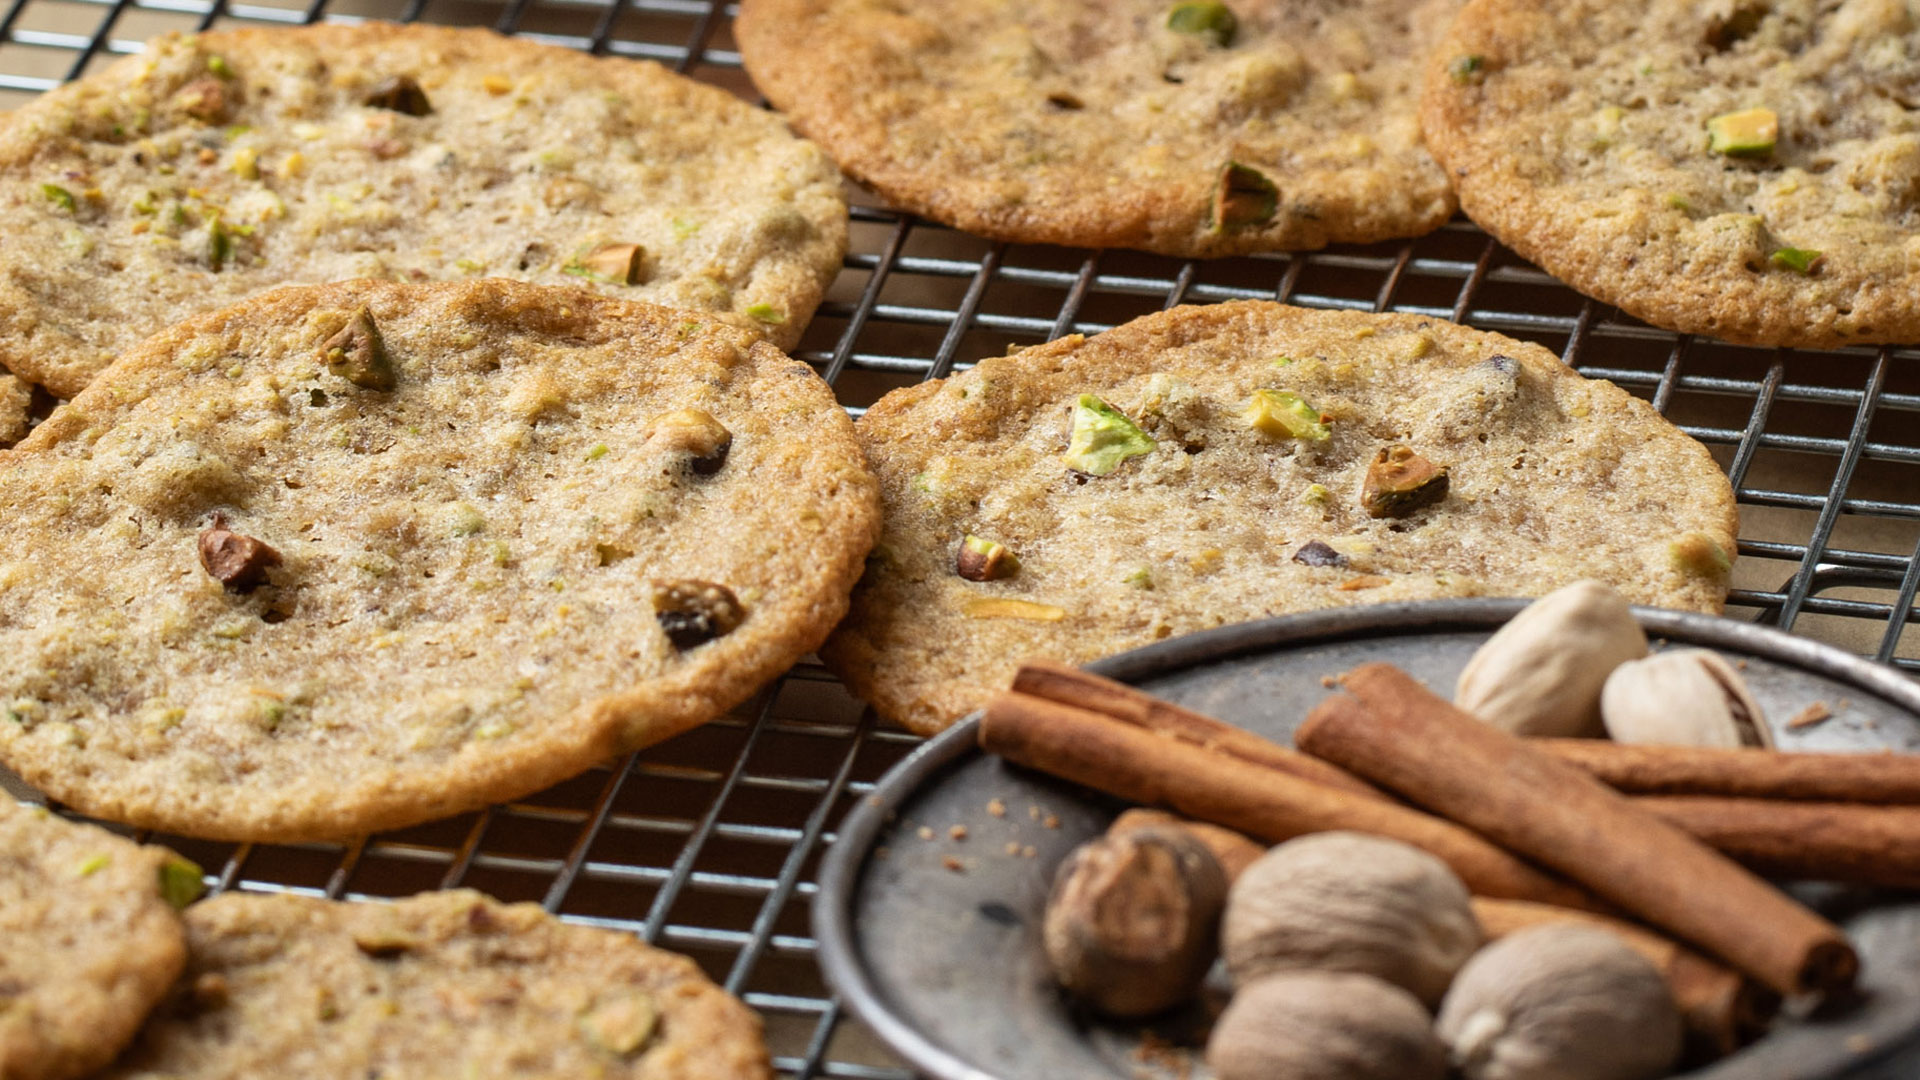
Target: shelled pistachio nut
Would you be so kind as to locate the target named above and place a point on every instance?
(1683, 697)
(1541, 674)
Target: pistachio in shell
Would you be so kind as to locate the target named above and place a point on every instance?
(1683, 697)
(1541, 673)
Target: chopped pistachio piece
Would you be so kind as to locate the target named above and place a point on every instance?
(357, 354)
(181, 882)
(621, 1026)
(219, 244)
(1282, 414)
(1140, 578)
(1470, 68)
(59, 196)
(596, 451)
(1003, 608)
(92, 865)
(1103, 437)
(1798, 260)
(1243, 196)
(1747, 133)
(695, 433)
(1400, 481)
(619, 264)
(238, 562)
(400, 94)
(218, 65)
(1700, 555)
(204, 99)
(385, 942)
(985, 560)
(1204, 18)
(693, 612)
(1316, 494)
(766, 313)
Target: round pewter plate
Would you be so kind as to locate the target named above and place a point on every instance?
(930, 900)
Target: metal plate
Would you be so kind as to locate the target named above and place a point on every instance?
(929, 910)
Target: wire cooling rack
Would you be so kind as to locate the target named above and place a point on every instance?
(708, 844)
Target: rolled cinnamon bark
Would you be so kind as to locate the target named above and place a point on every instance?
(1881, 779)
(1135, 764)
(1084, 690)
(1805, 841)
(1233, 851)
(1396, 733)
(1723, 1010)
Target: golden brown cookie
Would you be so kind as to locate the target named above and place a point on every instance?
(90, 940)
(16, 398)
(211, 168)
(448, 984)
(1185, 128)
(1216, 464)
(353, 556)
(1748, 169)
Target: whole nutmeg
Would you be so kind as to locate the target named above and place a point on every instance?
(1342, 901)
(1541, 674)
(1683, 697)
(1324, 1025)
(1133, 920)
(1560, 1002)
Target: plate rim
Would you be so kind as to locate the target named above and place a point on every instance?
(846, 859)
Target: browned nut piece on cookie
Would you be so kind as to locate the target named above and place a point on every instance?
(696, 434)
(1133, 920)
(616, 263)
(238, 562)
(694, 612)
(1243, 196)
(1400, 481)
(357, 354)
(400, 94)
(984, 560)
(204, 99)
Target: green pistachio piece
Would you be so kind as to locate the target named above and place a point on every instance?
(1470, 68)
(1316, 495)
(1281, 414)
(59, 196)
(218, 65)
(1748, 133)
(181, 882)
(1140, 578)
(985, 560)
(621, 1026)
(1700, 555)
(357, 354)
(1243, 196)
(1798, 260)
(219, 244)
(92, 865)
(1400, 481)
(1204, 18)
(766, 313)
(1103, 437)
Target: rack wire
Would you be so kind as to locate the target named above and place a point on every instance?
(708, 844)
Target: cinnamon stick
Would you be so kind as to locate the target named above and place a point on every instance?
(1396, 733)
(1085, 690)
(1805, 841)
(1723, 1010)
(1881, 779)
(1137, 765)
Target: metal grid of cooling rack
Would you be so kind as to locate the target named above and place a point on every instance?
(708, 844)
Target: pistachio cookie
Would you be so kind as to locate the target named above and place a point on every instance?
(1186, 128)
(1216, 464)
(90, 940)
(210, 168)
(446, 984)
(1748, 169)
(353, 556)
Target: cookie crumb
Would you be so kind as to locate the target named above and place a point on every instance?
(953, 864)
(1816, 713)
(1033, 812)
(1051, 821)
(1028, 852)
(1013, 848)
(924, 832)
(958, 832)
(997, 808)
(1328, 682)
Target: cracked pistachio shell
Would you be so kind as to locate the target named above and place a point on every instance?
(1542, 673)
(1683, 697)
